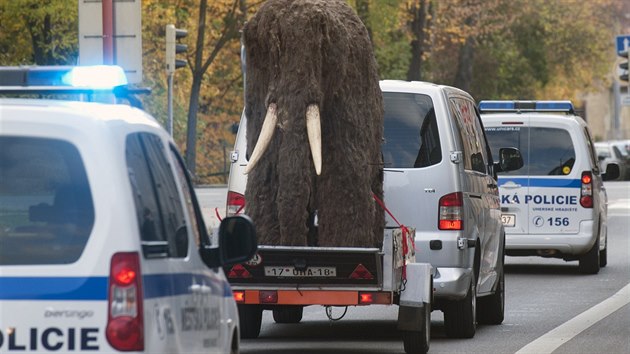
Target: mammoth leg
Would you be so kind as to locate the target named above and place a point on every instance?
(294, 181)
(346, 211)
(260, 194)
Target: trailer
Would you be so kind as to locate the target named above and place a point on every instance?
(285, 279)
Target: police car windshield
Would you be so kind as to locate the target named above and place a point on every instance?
(545, 151)
(411, 132)
(46, 209)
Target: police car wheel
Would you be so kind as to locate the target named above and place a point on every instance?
(589, 263)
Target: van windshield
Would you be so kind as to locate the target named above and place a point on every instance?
(46, 209)
(545, 151)
(411, 132)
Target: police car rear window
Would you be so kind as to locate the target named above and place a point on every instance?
(46, 209)
(545, 151)
(411, 133)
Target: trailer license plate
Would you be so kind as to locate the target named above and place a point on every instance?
(310, 272)
(508, 220)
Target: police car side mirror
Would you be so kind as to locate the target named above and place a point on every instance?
(510, 159)
(612, 172)
(237, 243)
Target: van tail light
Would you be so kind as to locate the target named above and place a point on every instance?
(125, 323)
(586, 192)
(450, 212)
(235, 203)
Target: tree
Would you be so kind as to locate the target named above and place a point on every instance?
(42, 32)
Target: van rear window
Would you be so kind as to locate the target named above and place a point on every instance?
(46, 209)
(411, 133)
(545, 151)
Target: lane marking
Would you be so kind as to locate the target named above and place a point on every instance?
(553, 339)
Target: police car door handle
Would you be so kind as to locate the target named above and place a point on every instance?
(511, 185)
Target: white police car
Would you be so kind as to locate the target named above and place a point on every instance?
(555, 205)
(102, 244)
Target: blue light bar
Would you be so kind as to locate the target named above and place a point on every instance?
(93, 77)
(526, 106)
(97, 76)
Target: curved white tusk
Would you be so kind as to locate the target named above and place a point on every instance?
(266, 133)
(314, 130)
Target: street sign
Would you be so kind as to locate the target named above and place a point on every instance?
(622, 42)
(127, 36)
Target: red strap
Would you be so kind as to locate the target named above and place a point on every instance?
(216, 211)
(405, 232)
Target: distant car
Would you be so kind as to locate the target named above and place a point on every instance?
(102, 244)
(609, 152)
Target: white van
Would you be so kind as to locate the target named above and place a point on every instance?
(440, 180)
(102, 244)
(555, 205)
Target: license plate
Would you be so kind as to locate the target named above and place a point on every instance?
(310, 272)
(508, 219)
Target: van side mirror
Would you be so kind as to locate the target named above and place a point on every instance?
(510, 159)
(237, 243)
(612, 172)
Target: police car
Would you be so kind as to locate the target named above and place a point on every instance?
(555, 205)
(103, 247)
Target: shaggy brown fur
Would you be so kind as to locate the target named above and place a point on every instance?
(300, 52)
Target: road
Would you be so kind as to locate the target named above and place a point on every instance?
(550, 307)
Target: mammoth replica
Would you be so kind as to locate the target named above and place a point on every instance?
(315, 126)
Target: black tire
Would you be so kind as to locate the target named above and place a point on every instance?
(491, 308)
(417, 342)
(288, 314)
(603, 257)
(589, 263)
(460, 317)
(250, 318)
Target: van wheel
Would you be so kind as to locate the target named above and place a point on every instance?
(491, 309)
(250, 318)
(460, 317)
(288, 314)
(589, 263)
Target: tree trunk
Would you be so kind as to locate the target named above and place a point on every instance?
(193, 105)
(463, 77)
(419, 26)
(363, 10)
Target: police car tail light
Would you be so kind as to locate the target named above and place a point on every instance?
(235, 203)
(125, 324)
(586, 192)
(450, 212)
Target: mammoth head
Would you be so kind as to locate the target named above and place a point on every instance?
(313, 128)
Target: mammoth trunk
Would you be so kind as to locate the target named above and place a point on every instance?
(314, 129)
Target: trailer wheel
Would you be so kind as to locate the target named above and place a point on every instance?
(460, 317)
(250, 318)
(288, 314)
(417, 342)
